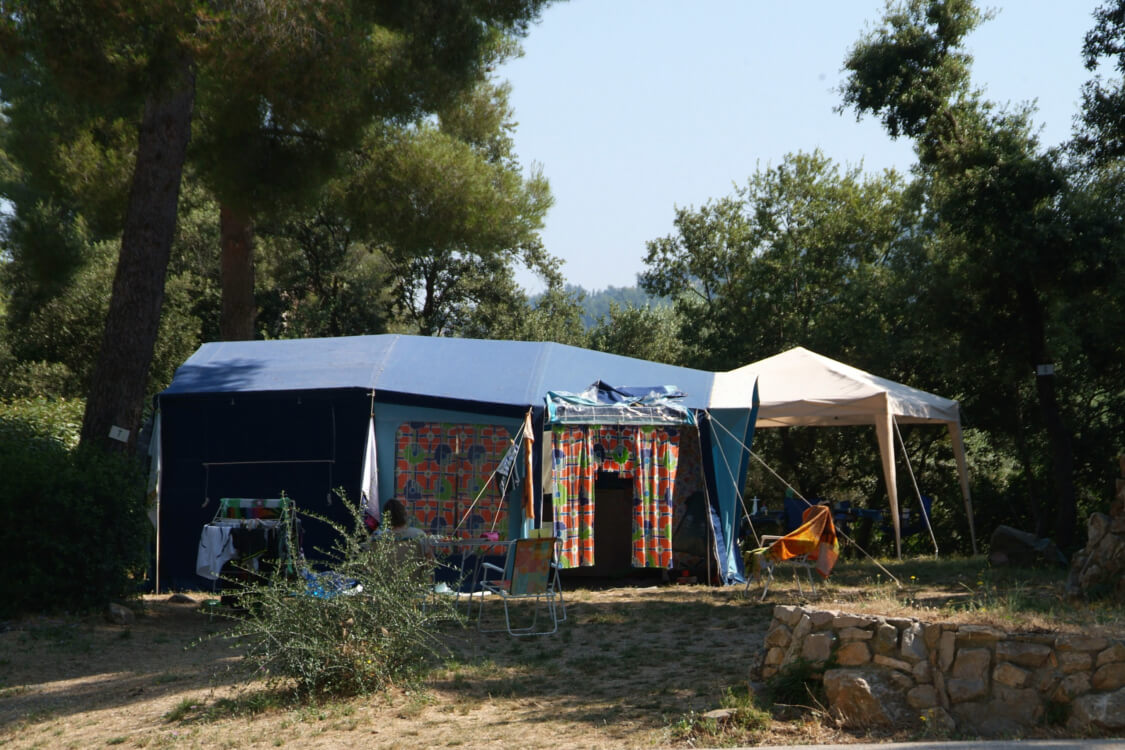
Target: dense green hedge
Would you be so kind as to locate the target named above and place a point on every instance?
(73, 531)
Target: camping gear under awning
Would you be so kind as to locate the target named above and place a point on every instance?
(803, 389)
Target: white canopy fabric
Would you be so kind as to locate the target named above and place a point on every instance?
(802, 388)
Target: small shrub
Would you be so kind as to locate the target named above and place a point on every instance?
(379, 630)
(1056, 714)
(744, 719)
(72, 521)
(797, 684)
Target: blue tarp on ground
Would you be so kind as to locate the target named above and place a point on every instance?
(253, 418)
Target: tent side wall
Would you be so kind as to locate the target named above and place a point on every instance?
(253, 445)
(305, 444)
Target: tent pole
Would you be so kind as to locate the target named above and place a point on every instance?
(839, 533)
(963, 475)
(887, 453)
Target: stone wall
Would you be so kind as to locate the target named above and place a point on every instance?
(1099, 569)
(888, 671)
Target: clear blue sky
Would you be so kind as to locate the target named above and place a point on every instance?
(634, 107)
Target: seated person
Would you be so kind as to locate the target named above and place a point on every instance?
(401, 531)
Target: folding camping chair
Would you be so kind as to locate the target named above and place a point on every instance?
(811, 545)
(533, 577)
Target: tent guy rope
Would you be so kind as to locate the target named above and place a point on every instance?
(914, 481)
(797, 494)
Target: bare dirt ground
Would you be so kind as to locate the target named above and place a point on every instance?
(624, 670)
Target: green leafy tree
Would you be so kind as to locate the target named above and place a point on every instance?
(796, 257)
(449, 208)
(555, 315)
(1103, 101)
(650, 332)
(147, 63)
(1008, 247)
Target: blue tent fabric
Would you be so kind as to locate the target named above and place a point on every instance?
(254, 418)
(475, 371)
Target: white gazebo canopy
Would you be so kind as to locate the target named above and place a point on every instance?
(799, 388)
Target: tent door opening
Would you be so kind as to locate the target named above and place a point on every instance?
(613, 531)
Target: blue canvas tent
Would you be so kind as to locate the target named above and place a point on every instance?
(257, 418)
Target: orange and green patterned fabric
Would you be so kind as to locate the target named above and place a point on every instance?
(573, 498)
(649, 455)
(440, 468)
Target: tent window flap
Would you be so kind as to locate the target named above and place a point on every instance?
(441, 469)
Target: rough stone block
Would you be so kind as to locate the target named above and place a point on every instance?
(821, 619)
(1023, 654)
(978, 635)
(962, 690)
(818, 647)
(1078, 642)
(892, 663)
(774, 657)
(853, 654)
(972, 664)
(886, 639)
(947, 650)
(913, 647)
(856, 634)
(1115, 653)
(787, 614)
(901, 680)
(1020, 705)
(1104, 710)
(1046, 680)
(922, 696)
(842, 622)
(1096, 527)
(864, 698)
(779, 635)
(1010, 675)
(923, 672)
(994, 717)
(120, 615)
(901, 623)
(1071, 687)
(931, 636)
(942, 689)
(1075, 661)
(800, 632)
(1109, 676)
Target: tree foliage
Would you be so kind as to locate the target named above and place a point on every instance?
(1000, 207)
(795, 257)
(253, 73)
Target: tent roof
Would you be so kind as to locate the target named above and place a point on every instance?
(509, 373)
(799, 387)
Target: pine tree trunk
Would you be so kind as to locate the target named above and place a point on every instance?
(117, 388)
(237, 271)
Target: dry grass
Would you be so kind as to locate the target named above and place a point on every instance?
(631, 668)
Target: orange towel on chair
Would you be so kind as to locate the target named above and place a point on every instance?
(815, 539)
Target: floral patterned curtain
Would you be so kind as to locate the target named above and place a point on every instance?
(573, 499)
(654, 481)
(440, 468)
